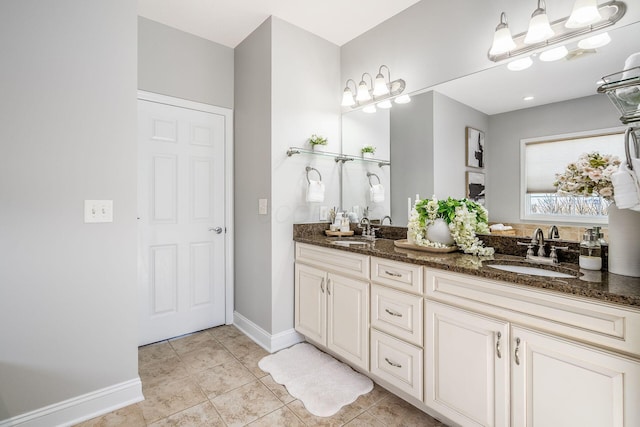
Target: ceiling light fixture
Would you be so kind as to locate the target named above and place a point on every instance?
(595, 42)
(520, 64)
(554, 54)
(580, 23)
(381, 92)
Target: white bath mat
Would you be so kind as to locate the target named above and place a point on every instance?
(323, 384)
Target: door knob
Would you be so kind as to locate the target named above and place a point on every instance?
(218, 230)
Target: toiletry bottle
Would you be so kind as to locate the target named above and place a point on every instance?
(590, 251)
(345, 225)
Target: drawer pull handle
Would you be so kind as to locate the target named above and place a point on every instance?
(517, 351)
(322, 285)
(393, 313)
(498, 346)
(391, 273)
(395, 365)
(328, 286)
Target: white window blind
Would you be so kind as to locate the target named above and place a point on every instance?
(544, 159)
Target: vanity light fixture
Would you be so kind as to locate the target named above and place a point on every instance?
(380, 94)
(587, 17)
(403, 99)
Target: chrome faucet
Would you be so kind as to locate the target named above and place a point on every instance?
(538, 239)
(553, 233)
(368, 232)
(385, 217)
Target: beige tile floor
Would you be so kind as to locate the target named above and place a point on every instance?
(212, 378)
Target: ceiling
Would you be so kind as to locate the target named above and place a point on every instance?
(228, 22)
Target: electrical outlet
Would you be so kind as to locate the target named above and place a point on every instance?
(262, 206)
(98, 211)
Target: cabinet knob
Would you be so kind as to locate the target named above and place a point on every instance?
(498, 346)
(517, 351)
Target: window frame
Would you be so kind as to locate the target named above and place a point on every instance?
(525, 200)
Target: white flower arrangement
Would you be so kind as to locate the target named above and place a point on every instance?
(464, 217)
(590, 175)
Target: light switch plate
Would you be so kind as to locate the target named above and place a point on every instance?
(262, 206)
(98, 211)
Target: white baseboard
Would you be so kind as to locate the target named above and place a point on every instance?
(271, 343)
(81, 408)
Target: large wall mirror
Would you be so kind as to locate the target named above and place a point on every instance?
(490, 99)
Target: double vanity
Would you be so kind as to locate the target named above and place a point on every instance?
(468, 341)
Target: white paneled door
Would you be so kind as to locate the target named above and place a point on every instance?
(181, 184)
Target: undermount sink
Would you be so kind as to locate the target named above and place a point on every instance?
(532, 271)
(349, 242)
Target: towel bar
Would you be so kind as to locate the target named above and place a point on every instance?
(369, 175)
(309, 169)
(627, 149)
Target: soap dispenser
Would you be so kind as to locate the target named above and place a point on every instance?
(590, 251)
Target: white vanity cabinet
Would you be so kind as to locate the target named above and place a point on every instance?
(332, 301)
(467, 366)
(475, 343)
(397, 320)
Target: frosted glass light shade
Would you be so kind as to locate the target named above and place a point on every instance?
(520, 64)
(584, 13)
(386, 104)
(369, 109)
(594, 42)
(380, 87)
(502, 42)
(347, 98)
(554, 54)
(363, 92)
(539, 28)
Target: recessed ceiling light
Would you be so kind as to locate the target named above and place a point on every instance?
(520, 64)
(528, 98)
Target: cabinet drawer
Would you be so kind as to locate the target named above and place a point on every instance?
(399, 275)
(397, 362)
(349, 263)
(397, 313)
(594, 322)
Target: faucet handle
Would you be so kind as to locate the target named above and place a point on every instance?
(554, 255)
(529, 246)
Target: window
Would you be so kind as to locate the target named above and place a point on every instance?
(543, 158)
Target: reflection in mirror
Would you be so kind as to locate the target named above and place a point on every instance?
(493, 94)
(362, 193)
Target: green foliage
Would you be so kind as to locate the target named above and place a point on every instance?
(368, 149)
(447, 209)
(317, 140)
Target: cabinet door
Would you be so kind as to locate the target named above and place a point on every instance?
(310, 303)
(556, 382)
(467, 366)
(348, 319)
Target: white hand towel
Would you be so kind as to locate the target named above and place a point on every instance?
(377, 193)
(626, 190)
(630, 94)
(315, 191)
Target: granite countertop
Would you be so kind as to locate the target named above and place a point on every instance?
(598, 285)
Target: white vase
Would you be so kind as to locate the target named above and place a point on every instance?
(439, 232)
(367, 155)
(624, 241)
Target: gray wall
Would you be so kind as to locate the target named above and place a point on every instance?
(252, 170)
(287, 87)
(172, 62)
(411, 154)
(503, 144)
(68, 300)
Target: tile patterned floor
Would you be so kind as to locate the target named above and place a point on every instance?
(212, 378)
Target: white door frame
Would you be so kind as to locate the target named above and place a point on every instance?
(228, 182)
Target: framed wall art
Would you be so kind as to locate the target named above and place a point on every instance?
(475, 187)
(475, 148)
